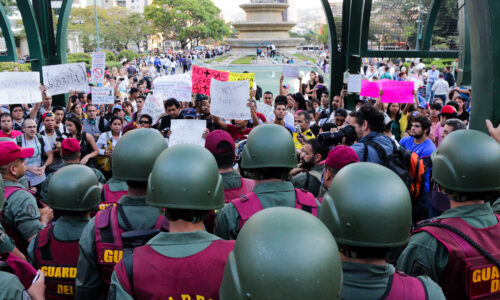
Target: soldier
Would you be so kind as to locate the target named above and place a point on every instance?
(267, 157)
(101, 245)
(461, 245)
(186, 262)
(72, 193)
(21, 217)
(221, 145)
(367, 220)
(6, 244)
(283, 253)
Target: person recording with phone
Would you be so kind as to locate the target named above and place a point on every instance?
(303, 132)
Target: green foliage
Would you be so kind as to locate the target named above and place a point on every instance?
(110, 56)
(129, 54)
(79, 57)
(219, 59)
(112, 64)
(187, 20)
(305, 57)
(245, 60)
(9, 66)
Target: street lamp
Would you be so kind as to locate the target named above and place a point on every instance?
(96, 26)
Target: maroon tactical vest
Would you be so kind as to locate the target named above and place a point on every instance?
(405, 287)
(156, 276)
(111, 198)
(108, 240)
(9, 262)
(58, 260)
(249, 204)
(245, 188)
(469, 274)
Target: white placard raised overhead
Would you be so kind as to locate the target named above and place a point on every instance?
(20, 87)
(266, 110)
(180, 90)
(230, 99)
(290, 71)
(103, 95)
(354, 83)
(98, 67)
(60, 79)
(153, 106)
(187, 132)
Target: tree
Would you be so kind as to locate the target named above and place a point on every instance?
(187, 20)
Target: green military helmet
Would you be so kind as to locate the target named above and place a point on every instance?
(269, 146)
(283, 253)
(467, 161)
(2, 196)
(186, 177)
(74, 188)
(135, 153)
(367, 205)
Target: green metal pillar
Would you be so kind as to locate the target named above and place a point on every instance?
(464, 63)
(484, 26)
(8, 36)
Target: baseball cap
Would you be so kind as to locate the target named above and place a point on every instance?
(340, 156)
(47, 114)
(215, 137)
(448, 109)
(423, 105)
(117, 107)
(10, 151)
(286, 85)
(189, 113)
(70, 145)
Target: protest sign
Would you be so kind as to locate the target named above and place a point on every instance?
(98, 67)
(354, 83)
(201, 79)
(417, 81)
(187, 132)
(266, 110)
(397, 91)
(290, 71)
(20, 87)
(230, 99)
(60, 79)
(103, 95)
(243, 76)
(178, 89)
(369, 89)
(153, 106)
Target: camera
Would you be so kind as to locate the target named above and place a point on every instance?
(335, 138)
(323, 114)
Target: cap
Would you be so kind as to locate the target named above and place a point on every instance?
(70, 145)
(10, 151)
(189, 113)
(448, 109)
(200, 97)
(423, 105)
(286, 85)
(214, 138)
(117, 107)
(340, 156)
(49, 113)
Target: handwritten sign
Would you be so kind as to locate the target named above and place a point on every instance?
(201, 79)
(230, 99)
(187, 132)
(266, 110)
(103, 95)
(20, 87)
(98, 67)
(153, 106)
(397, 91)
(369, 89)
(243, 76)
(178, 89)
(354, 83)
(290, 71)
(60, 79)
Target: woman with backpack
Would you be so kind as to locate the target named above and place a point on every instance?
(88, 147)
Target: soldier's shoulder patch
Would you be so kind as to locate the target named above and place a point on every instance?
(419, 269)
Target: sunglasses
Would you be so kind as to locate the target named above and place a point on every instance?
(145, 122)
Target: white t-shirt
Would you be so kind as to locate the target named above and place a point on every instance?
(289, 118)
(36, 159)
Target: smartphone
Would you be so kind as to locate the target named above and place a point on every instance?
(37, 276)
(298, 129)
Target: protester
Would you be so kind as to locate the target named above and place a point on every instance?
(303, 132)
(339, 157)
(54, 138)
(88, 147)
(239, 130)
(172, 110)
(307, 175)
(91, 124)
(6, 126)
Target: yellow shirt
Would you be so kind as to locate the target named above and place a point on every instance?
(308, 135)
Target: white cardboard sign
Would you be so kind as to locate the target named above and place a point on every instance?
(187, 132)
(20, 87)
(60, 79)
(230, 99)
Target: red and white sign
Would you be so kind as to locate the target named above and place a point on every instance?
(98, 66)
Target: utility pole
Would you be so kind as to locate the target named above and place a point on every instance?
(96, 26)
(419, 23)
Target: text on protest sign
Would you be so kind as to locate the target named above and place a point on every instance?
(266, 110)
(354, 83)
(397, 91)
(187, 132)
(60, 79)
(369, 89)
(243, 76)
(180, 90)
(230, 99)
(201, 79)
(103, 95)
(153, 106)
(20, 87)
(290, 71)
(98, 67)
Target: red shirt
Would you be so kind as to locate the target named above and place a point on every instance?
(12, 134)
(236, 134)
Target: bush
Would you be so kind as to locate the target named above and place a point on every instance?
(112, 64)
(79, 57)
(129, 54)
(9, 66)
(110, 56)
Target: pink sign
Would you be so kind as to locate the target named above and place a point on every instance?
(397, 91)
(369, 89)
(202, 77)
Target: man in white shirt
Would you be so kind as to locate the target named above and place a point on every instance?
(441, 88)
(432, 77)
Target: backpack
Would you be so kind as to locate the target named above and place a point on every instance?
(19, 141)
(405, 163)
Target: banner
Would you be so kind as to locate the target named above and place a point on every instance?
(98, 67)
(201, 79)
(60, 79)
(153, 106)
(103, 95)
(171, 88)
(20, 87)
(230, 99)
(369, 89)
(243, 76)
(397, 91)
(290, 71)
(187, 132)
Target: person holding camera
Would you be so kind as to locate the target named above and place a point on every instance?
(303, 132)
(307, 175)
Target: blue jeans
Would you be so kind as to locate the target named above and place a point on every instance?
(429, 93)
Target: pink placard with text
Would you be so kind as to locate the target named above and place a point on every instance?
(397, 91)
(369, 89)
(201, 78)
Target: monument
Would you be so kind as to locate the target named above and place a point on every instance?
(264, 25)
